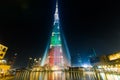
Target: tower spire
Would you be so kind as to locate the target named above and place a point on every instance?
(56, 15)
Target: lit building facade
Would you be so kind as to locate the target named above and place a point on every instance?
(3, 50)
(114, 56)
(3, 63)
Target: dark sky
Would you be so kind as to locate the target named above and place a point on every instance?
(26, 25)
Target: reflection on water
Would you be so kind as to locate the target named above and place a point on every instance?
(56, 75)
(59, 75)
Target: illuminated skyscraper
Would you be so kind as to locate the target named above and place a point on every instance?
(55, 55)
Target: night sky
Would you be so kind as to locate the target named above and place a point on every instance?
(25, 26)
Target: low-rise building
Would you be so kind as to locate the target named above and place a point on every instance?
(109, 63)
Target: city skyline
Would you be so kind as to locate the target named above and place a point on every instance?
(86, 25)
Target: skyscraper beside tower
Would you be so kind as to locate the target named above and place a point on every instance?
(56, 56)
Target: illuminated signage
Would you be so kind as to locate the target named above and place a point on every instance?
(114, 56)
(3, 50)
